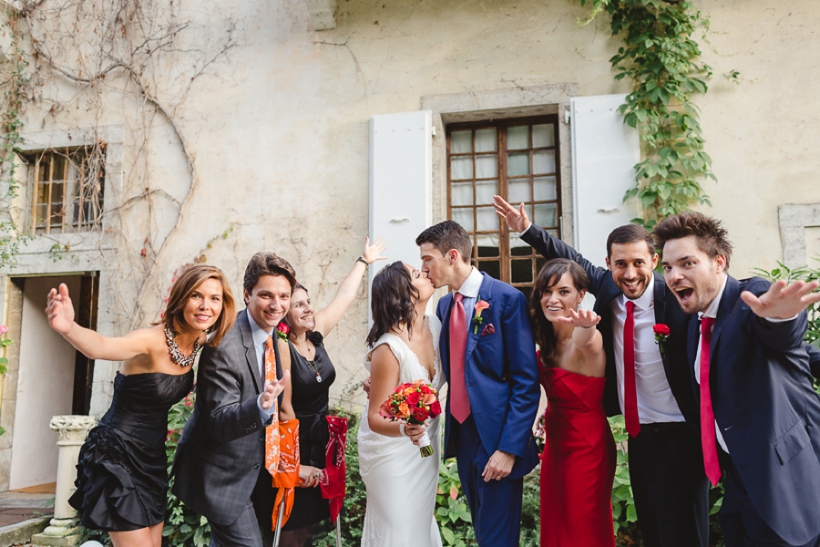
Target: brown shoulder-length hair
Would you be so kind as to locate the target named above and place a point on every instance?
(189, 281)
(550, 275)
(392, 301)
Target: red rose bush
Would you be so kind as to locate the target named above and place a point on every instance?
(413, 403)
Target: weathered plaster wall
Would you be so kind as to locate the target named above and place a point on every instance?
(279, 129)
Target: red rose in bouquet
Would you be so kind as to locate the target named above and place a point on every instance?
(413, 403)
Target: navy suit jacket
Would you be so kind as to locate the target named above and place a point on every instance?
(501, 373)
(667, 311)
(767, 410)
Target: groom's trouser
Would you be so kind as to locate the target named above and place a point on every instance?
(495, 505)
(253, 528)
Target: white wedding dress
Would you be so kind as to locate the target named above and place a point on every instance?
(401, 485)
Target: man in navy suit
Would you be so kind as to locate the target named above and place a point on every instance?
(488, 357)
(759, 414)
(665, 464)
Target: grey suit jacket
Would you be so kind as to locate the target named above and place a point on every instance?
(222, 448)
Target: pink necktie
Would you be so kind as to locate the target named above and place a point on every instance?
(707, 415)
(633, 424)
(459, 400)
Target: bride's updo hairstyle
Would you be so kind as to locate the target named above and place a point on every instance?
(186, 284)
(392, 302)
(549, 276)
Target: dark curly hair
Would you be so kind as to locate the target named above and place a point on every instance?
(712, 237)
(549, 275)
(392, 301)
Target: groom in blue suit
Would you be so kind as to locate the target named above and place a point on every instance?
(488, 357)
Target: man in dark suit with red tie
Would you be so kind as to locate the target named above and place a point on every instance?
(759, 413)
(647, 381)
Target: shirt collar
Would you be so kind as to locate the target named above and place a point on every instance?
(712, 310)
(472, 284)
(643, 302)
(259, 335)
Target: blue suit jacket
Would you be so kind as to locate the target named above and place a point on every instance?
(501, 373)
(767, 410)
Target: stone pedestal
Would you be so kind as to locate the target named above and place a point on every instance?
(62, 529)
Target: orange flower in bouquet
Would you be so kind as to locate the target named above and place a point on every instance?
(413, 403)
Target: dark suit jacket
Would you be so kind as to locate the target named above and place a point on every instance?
(222, 448)
(501, 373)
(667, 311)
(767, 410)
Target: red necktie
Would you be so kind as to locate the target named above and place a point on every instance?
(459, 400)
(633, 424)
(707, 415)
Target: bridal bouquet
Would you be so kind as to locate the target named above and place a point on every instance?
(413, 403)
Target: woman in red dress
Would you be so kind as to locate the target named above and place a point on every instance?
(578, 464)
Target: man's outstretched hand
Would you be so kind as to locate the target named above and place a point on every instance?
(782, 300)
(516, 219)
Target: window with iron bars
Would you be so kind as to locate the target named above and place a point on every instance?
(68, 186)
(517, 159)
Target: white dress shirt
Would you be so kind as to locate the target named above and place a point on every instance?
(656, 403)
(259, 336)
(469, 289)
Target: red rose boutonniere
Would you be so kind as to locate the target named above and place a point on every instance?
(480, 306)
(282, 331)
(662, 333)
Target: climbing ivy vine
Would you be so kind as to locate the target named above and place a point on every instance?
(662, 60)
(16, 84)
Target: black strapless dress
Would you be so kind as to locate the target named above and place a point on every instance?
(122, 473)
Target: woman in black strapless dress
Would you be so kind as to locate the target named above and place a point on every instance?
(122, 477)
(312, 374)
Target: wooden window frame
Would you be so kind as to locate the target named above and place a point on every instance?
(505, 257)
(74, 190)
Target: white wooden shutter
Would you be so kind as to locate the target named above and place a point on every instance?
(604, 153)
(401, 172)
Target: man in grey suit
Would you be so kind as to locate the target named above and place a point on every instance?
(220, 461)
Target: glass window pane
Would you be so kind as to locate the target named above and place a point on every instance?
(56, 215)
(461, 142)
(42, 193)
(543, 135)
(486, 140)
(539, 263)
(485, 190)
(492, 268)
(59, 167)
(526, 290)
(40, 214)
(487, 251)
(518, 137)
(461, 168)
(543, 162)
(464, 217)
(57, 192)
(519, 248)
(487, 219)
(519, 190)
(44, 170)
(521, 271)
(486, 167)
(461, 193)
(518, 164)
(545, 189)
(546, 214)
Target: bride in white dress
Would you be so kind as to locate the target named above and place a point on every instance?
(401, 485)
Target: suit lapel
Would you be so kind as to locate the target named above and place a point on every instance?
(484, 293)
(250, 350)
(730, 296)
(444, 341)
(659, 302)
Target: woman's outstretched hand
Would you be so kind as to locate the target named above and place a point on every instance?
(583, 318)
(59, 310)
(372, 253)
